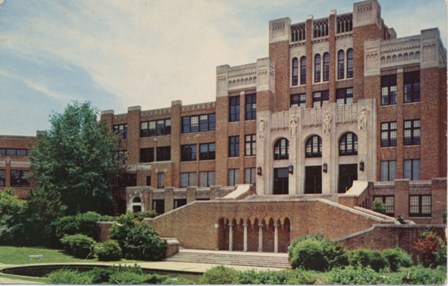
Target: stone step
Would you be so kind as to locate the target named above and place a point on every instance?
(274, 260)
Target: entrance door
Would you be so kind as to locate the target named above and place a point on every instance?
(347, 174)
(281, 181)
(313, 180)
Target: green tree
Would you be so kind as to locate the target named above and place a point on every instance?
(12, 217)
(76, 156)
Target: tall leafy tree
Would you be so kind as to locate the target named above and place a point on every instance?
(76, 157)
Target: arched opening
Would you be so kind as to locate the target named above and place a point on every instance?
(137, 205)
(223, 234)
(268, 235)
(238, 235)
(284, 232)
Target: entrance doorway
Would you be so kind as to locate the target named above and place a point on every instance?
(281, 181)
(347, 174)
(313, 180)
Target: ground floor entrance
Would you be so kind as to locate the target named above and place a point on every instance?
(313, 179)
(281, 181)
(347, 174)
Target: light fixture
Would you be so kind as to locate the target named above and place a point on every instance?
(259, 170)
(361, 166)
(291, 169)
(325, 167)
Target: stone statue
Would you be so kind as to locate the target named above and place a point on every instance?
(362, 120)
(327, 122)
(293, 125)
(261, 127)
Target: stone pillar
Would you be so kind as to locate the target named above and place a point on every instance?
(169, 199)
(260, 237)
(275, 237)
(230, 236)
(245, 237)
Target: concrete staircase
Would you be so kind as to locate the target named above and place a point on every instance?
(251, 259)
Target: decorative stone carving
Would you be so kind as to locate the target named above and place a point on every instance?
(326, 122)
(362, 120)
(293, 122)
(261, 128)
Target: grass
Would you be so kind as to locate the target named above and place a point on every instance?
(24, 278)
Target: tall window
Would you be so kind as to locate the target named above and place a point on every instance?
(233, 177)
(206, 179)
(349, 63)
(234, 108)
(198, 123)
(295, 71)
(121, 130)
(344, 96)
(320, 97)
(177, 203)
(160, 180)
(317, 68)
(348, 145)
(146, 155)
(303, 70)
(13, 152)
(129, 179)
(388, 170)
(249, 176)
(389, 203)
(281, 149)
(158, 206)
(234, 146)
(188, 152)
(389, 89)
(412, 86)
(298, 99)
(2, 178)
(411, 169)
(313, 147)
(388, 134)
(341, 63)
(188, 179)
(164, 153)
(250, 145)
(20, 178)
(207, 151)
(411, 132)
(155, 128)
(420, 205)
(251, 106)
(326, 69)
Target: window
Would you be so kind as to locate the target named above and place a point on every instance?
(155, 128)
(129, 180)
(251, 106)
(250, 145)
(298, 99)
(147, 155)
(320, 97)
(388, 202)
(341, 64)
(198, 123)
(158, 206)
(344, 96)
(326, 69)
(388, 170)
(13, 152)
(148, 180)
(420, 205)
(234, 146)
(160, 180)
(164, 153)
(177, 203)
(313, 147)
(281, 149)
(206, 179)
(249, 176)
(349, 63)
(348, 145)
(207, 151)
(234, 108)
(388, 134)
(233, 177)
(411, 169)
(20, 178)
(295, 71)
(2, 178)
(188, 152)
(121, 155)
(389, 89)
(317, 68)
(303, 70)
(411, 132)
(188, 179)
(121, 130)
(412, 86)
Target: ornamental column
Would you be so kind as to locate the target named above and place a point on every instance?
(230, 236)
(260, 238)
(245, 237)
(275, 237)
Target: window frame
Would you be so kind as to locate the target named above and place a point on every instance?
(411, 87)
(188, 155)
(345, 142)
(344, 96)
(234, 108)
(414, 132)
(210, 178)
(389, 208)
(326, 67)
(295, 72)
(22, 180)
(420, 212)
(317, 68)
(207, 151)
(121, 130)
(313, 147)
(298, 99)
(250, 145)
(349, 63)
(341, 64)
(163, 153)
(198, 126)
(251, 106)
(411, 169)
(320, 97)
(234, 146)
(388, 134)
(233, 176)
(191, 179)
(158, 127)
(150, 155)
(250, 176)
(281, 149)
(388, 90)
(303, 70)
(389, 167)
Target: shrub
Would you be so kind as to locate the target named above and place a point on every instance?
(146, 214)
(367, 258)
(85, 223)
(427, 246)
(120, 230)
(441, 256)
(100, 274)
(275, 277)
(424, 276)
(12, 218)
(124, 277)
(220, 275)
(378, 206)
(65, 276)
(396, 258)
(354, 275)
(108, 251)
(78, 245)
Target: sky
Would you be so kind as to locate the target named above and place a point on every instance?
(117, 53)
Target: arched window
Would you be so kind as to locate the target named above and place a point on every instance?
(281, 149)
(303, 70)
(349, 63)
(340, 64)
(137, 200)
(295, 71)
(348, 145)
(326, 75)
(317, 67)
(313, 147)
